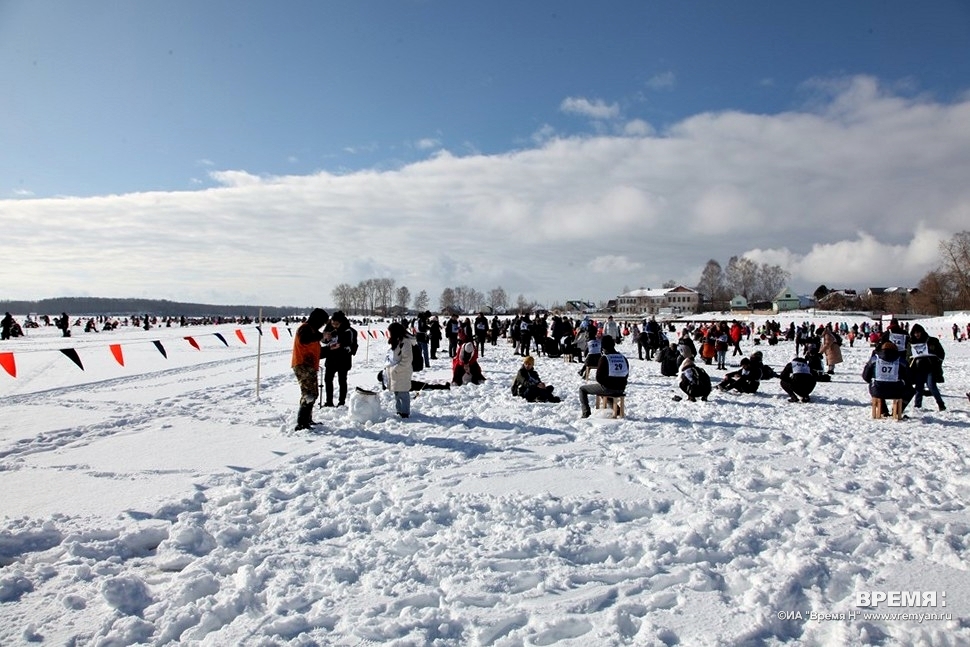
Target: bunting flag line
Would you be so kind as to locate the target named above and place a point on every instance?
(116, 351)
(73, 356)
(8, 364)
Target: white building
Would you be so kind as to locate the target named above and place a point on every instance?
(678, 300)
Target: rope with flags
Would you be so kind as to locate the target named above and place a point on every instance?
(8, 361)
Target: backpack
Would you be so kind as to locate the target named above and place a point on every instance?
(417, 359)
(353, 341)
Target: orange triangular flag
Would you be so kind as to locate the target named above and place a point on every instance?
(194, 343)
(116, 351)
(239, 333)
(275, 331)
(8, 364)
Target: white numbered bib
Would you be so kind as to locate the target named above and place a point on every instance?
(618, 365)
(899, 339)
(920, 350)
(594, 347)
(886, 371)
(800, 368)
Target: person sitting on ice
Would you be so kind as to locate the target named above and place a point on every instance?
(798, 380)
(746, 379)
(528, 385)
(594, 350)
(416, 385)
(888, 375)
(694, 381)
(465, 368)
(612, 374)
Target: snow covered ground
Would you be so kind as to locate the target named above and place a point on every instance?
(161, 502)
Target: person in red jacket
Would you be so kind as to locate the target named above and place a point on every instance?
(465, 368)
(306, 364)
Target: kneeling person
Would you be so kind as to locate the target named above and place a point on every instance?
(798, 380)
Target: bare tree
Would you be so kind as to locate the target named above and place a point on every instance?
(712, 284)
(402, 297)
(343, 296)
(447, 300)
(421, 301)
(956, 263)
(742, 276)
(360, 297)
(933, 294)
(771, 280)
(474, 300)
(384, 293)
(522, 304)
(498, 299)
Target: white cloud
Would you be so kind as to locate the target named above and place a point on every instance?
(662, 81)
(23, 193)
(853, 192)
(235, 178)
(613, 264)
(637, 128)
(427, 143)
(597, 109)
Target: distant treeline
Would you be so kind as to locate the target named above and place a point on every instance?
(75, 306)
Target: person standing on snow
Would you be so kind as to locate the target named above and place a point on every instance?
(306, 364)
(831, 349)
(925, 355)
(397, 367)
(6, 325)
(338, 351)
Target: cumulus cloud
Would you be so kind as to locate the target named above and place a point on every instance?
(637, 128)
(597, 109)
(854, 189)
(235, 178)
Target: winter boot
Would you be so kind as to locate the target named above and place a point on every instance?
(303, 416)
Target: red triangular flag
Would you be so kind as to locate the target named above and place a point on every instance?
(116, 351)
(221, 338)
(73, 356)
(239, 333)
(161, 349)
(275, 331)
(8, 364)
(194, 343)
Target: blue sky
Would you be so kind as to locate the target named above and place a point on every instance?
(256, 151)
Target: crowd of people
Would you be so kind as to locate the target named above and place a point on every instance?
(906, 363)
